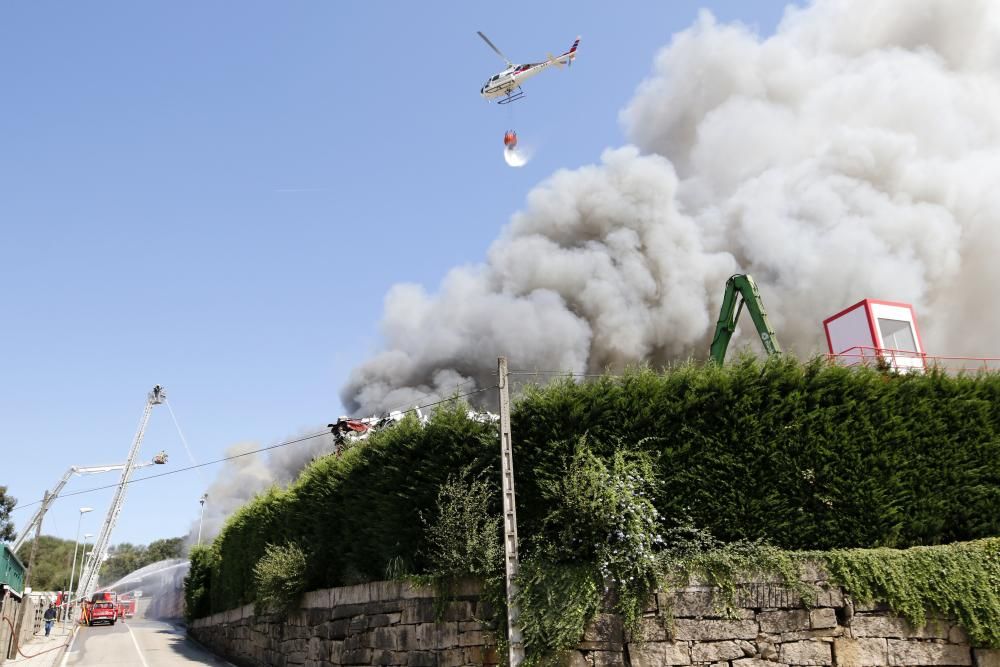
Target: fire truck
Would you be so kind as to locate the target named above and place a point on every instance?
(100, 608)
(126, 606)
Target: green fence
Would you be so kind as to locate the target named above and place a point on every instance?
(11, 570)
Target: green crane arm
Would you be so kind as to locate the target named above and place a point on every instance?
(744, 286)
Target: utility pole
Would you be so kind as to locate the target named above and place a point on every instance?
(27, 573)
(514, 640)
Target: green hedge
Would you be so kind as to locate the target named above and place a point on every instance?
(802, 455)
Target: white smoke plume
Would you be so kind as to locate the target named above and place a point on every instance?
(851, 154)
(242, 478)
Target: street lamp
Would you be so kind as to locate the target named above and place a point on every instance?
(83, 510)
(204, 497)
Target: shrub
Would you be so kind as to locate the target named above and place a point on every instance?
(465, 536)
(280, 577)
(197, 603)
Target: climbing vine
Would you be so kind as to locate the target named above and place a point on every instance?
(960, 580)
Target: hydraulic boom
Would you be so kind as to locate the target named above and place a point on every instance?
(54, 493)
(741, 286)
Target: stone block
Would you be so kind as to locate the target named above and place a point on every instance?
(410, 591)
(451, 658)
(314, 648)
(437, 635)
(487, 655)
(458, 611)
(958, 635)
(406, 636)
(421, 659)
(806, 653)
(471, 638)
(384, 590)
(714, 630)
(469, 626)
(358, 656)
(335, 629)
(346, 611)
(573, 658)
(484, 610)
(783, 621)
(386, 639)
(766, 650)
(315, 617)
(316, 599)
(873, 606)
(382, 657)
(829, 596)
(350, 595)
(659, 654)
(691, 602)
(650, 630)
(756, 662)
(903, 652)
(378, 621)
(607, 658)
(604, 628)
(418, 611)
(986, 657)
(823, 633)
(878, 625)
(358, 625)
(384, 607)
(716, 651)
(822, 618)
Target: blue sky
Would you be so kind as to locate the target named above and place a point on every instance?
(216, 196)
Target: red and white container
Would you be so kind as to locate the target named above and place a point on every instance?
(873, 331)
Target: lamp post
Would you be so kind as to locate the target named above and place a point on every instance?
(83, 510)
(201, 521)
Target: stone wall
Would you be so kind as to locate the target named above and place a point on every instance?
(390, 623)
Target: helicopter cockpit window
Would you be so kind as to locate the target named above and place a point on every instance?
(494, 77)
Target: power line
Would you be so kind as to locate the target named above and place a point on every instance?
(236, 456)
(180, 470)
(567, 374)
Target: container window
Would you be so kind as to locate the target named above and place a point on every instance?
(897, 335)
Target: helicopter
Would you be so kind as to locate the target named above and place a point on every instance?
(503, 84)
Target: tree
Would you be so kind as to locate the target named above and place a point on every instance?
(53, 562)
(7, 504)
(54, 559)
(126, 558)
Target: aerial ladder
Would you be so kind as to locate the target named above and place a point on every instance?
(742, 287)
(88, 580)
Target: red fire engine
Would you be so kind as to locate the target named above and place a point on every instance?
(101, 608)
(126, 606)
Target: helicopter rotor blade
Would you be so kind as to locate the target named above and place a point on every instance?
(492, 46)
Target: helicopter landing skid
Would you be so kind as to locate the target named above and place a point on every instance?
(512, 97)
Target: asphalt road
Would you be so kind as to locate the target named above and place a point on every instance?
(136, 643)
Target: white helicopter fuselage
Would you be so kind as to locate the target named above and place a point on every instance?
(509, 79)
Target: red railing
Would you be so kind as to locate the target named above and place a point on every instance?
(905, 361)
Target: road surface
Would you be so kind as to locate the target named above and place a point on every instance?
(136, 642)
